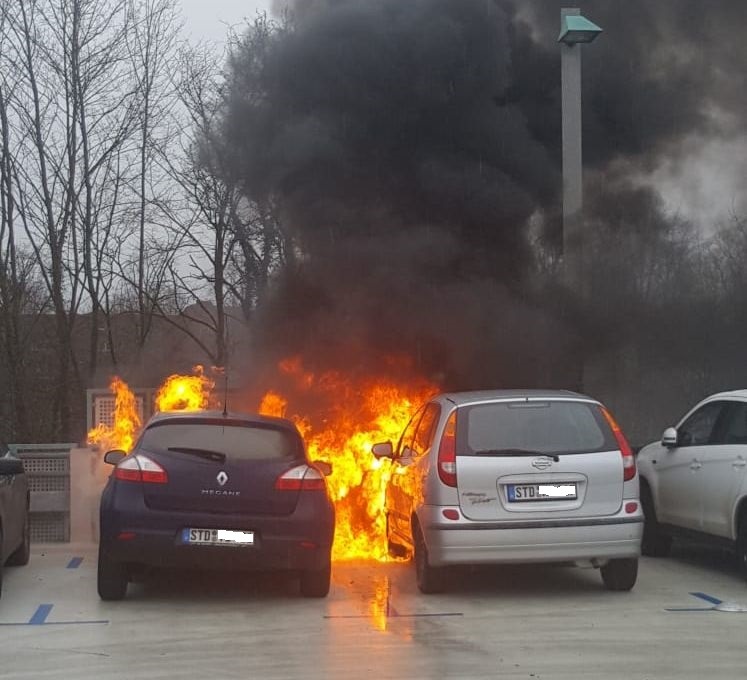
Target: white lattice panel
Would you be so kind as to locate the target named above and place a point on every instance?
(103, 406)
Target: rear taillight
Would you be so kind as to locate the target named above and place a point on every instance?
(139, 468)
(446, 463)
(301, 478)
(622, 443)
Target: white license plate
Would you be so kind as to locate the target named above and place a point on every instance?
(519, 493)
(218, 537)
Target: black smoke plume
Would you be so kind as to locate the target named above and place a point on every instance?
(413, 151)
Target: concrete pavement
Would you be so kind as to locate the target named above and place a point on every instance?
(518, 622)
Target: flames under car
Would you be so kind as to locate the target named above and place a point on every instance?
(217, 491)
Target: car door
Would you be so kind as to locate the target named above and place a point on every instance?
(412, 483)
(397, 501)
(724, 467)
(679, 467)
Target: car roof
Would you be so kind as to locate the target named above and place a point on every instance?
(249, 418)
(731, 394)
(478, 396)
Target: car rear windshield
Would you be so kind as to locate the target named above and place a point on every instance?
(234, 438)
(545, 427)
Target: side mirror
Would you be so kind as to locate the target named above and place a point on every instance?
(669, 438)
(115, 456)
(324, 467)
(383, 450)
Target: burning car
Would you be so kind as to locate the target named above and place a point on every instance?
(216, 490)
(513, 477)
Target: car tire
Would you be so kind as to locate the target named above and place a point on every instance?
(655, 542)
(22, 554)
(112, 578)
(430, 579)
(315, 582)
(742, 545)
(620, 574)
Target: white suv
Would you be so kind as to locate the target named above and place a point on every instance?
(693, 482)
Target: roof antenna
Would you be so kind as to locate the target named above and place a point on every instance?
(225, 390)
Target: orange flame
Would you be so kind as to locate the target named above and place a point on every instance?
(121, 435)
(185, 392)
(273, 405)
(359, 415)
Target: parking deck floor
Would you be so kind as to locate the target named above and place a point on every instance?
(512, 622)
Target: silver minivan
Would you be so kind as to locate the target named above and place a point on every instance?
(513, 476)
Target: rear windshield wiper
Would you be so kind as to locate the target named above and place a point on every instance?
(515, 452)
(201, 453)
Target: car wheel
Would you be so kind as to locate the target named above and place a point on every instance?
(620, 574)
(112, 578)
(742, 545)
(430, 579)
(23, 552)
(655, 542)
(315, 582)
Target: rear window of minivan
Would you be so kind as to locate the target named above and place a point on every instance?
(543, 427)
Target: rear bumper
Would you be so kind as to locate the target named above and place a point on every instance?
(135, 534)
(470, 542)
(162, 549)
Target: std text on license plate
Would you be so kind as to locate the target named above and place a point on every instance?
(519, 493)
(228, 537)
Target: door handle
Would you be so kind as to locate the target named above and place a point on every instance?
(696, 465)
(739, 463)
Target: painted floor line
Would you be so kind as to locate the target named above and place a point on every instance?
(56, 623)
(702, 596)
(39, 618)
(392, 616)
(40, 615)
(707, 598)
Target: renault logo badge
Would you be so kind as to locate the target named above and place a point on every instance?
(222, 478)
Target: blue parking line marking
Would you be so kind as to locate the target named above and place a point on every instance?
(702, 596)
(74, 563)
(40, 615)
(707, 598)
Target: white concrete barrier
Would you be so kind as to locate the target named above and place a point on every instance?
(88, 475)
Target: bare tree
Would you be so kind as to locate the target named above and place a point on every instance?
(74, 113)
(152, 44)
(14, 272)
(228, 245)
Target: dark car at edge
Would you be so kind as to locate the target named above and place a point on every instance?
(15, 540)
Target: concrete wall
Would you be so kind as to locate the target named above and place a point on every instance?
(88, 475)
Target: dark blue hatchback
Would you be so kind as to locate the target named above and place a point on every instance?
(216, 491)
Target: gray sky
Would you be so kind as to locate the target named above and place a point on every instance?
(208, 19)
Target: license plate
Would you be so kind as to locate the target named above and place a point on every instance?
(519, 493)
(239, 539)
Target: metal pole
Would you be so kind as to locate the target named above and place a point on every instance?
(570, 66)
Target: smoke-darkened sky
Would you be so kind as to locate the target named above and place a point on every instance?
(410, 144)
